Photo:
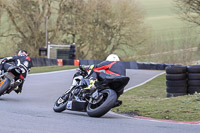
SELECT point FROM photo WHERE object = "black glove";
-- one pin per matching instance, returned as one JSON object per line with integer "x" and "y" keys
{"x": 81, "y": 67}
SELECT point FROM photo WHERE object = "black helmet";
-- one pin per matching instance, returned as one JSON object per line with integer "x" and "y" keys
{"x": 22, "y": 53}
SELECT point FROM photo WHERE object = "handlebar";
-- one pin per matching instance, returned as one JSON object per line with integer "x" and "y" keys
{"x": 82, "y": 72}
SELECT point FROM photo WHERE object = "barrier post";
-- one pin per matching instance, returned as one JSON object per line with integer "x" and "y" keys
{"x": 60, "y": 62}
{"x": 76, "y": 62}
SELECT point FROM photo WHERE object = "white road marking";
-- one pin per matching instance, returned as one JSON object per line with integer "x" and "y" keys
{"x": 44, "y": 73}
{"x": 144, "y": 82}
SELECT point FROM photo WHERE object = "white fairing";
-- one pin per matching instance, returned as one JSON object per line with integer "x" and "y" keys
{"x": 74, "y": 82}
{"x": 23, "y": 66}
{"x": 112, "y": 57}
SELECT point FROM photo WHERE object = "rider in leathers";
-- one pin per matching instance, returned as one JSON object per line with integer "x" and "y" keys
{"x": 112, "y": 66}
{"x": 23, "y": 61}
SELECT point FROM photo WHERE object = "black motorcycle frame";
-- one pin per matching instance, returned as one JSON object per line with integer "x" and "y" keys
{"x": 11, "y": 79}
{"x": 77, "y": 99}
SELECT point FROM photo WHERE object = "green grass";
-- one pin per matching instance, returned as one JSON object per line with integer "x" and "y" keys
{"x": 168, "y": 31}
{"x": 150, "y": 100}
{"x": 162, "y": 17}
{"x": 50, "y": 69}
{"x": 161, "y": 14}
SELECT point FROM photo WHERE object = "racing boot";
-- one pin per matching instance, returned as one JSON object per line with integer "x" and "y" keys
{"x": 117, "y": 103}
{"x": 17, "y": 90}
{"x": 91, "y": 87}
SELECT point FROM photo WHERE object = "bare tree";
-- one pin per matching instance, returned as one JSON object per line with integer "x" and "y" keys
{"x": 189, "y": 10}
{"x": 27, "y": 20}
{"x": 97, "y": 27}
{"x": 0, "y": 8}
{"x": 108, "y": 26}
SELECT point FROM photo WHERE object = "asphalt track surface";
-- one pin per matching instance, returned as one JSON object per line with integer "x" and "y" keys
{"x": 31, "y": 111}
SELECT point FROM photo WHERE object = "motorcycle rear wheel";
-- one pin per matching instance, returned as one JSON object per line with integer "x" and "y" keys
{"x": 4, "y": 85}
{"x": 60, "y": 107}
{"x": 102, "y": 107}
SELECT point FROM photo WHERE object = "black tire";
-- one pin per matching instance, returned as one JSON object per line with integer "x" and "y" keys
{"x": 177, "y": 89}
{"x": 59, "y": 107}
{"x": 176, "y": 69}
{"x": 4, "y": 86}
{"x": 194, "y": 82}
{"x": 101, "y": 108}
{"x": 194, "y": 69}
{"x": 175, "y": 94}
{"x": 181, "y": 76}
{"x": 194, "y": 76}
{"x": 193, "y": 89}
{"x": 176, "y": 83}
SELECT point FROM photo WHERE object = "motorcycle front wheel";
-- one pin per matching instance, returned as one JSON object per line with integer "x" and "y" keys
{"x": 4, "y": 85}
{"x": 60, "y": 104}
{"x": 107, "y": 101}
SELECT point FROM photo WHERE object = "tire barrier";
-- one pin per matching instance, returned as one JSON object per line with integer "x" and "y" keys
{"x": 37, "y": 62}
{"x": 182, "y": 80}
{"x": 193, "y": 79}
{"x": 131, "y": 64}
{"x": 176, "y": 80}
{"x": 127, "y": 65}
{"x": 176, "y": 69}
{"x": 181, "y": 76}
{"x": 193, "y": 69}
{"x": 151, "y": 66}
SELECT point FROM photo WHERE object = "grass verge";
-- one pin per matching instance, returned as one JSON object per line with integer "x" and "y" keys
{"x": 50, "y": 68}
{"x": 150, "y": 100}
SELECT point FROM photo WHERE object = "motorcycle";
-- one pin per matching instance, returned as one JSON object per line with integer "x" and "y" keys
{"x": 98, "y": 101}
{"x": 10, "y": 79}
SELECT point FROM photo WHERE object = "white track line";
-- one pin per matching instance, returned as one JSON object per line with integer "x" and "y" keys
{"x": 144, "y": 82}
{"x": 44, "y": 73}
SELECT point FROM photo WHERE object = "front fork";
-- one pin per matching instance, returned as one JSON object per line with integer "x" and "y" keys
{"x": 69, "y": 90}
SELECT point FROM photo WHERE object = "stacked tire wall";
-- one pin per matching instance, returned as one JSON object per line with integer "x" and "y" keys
{"x": 176, "y": 81}
{"x": 193, "y": 79}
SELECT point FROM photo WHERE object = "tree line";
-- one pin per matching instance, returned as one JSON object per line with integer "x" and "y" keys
{"x": 97, "y": 27}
